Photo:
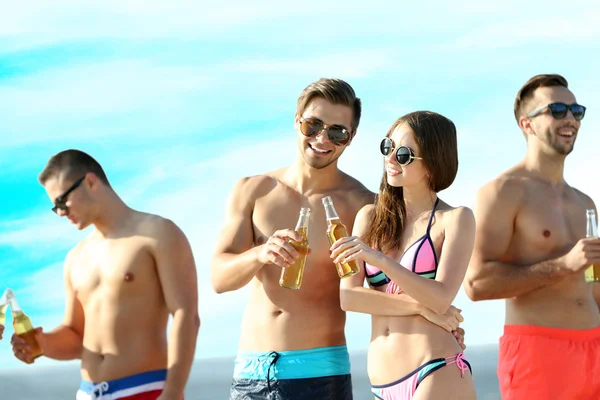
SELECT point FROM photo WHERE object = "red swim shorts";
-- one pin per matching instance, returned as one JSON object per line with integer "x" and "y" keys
{"x": 145, "y": 386}
{"x": 540, "y": 363}
{"x": 153, "y": 395}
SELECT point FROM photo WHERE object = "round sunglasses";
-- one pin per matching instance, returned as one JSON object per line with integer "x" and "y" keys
{"x": 559, "y": 111}
{"x": 338, "y": 134}
{"x": 404, "y": 154}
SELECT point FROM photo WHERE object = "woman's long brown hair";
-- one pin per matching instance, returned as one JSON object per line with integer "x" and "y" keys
{"x": 436, "y": 137}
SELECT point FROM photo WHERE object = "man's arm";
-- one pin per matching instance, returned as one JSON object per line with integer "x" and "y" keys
{"x": 65, "y": 342}
{"x": 488, "y": 277}
{"x": 596, "y": 289}
{"x": 177, "y": 273}
{"x": 237, "y": 260}
{"x": 592, "y": 205}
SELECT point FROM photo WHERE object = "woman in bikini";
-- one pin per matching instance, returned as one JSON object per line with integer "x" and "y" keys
{"x": 415, "y": 249}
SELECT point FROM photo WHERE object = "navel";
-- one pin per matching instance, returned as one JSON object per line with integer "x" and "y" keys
{"x": 129, "y": 277}
{"x": 546, "y": 233}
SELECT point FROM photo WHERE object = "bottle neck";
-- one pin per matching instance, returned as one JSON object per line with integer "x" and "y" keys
{"x": 591, "y": 228}
{"x": 303, "y": 220}
{"x": 330, "y": 212}
{"x": 14, "y": 306}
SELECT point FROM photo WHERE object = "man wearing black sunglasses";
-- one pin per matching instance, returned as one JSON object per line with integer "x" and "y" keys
{"x": 122, "y": 282}
{"x": 531, "y": 250}
{"x": 293, "y": 344}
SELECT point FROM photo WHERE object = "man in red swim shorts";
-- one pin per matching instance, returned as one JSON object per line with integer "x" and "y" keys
{"x": 531, "y": 250}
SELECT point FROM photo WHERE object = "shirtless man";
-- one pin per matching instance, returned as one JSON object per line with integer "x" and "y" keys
{"x": 122, "y": 282}
{"x": 293, "y": 344}
{"x": 531, "y": 250}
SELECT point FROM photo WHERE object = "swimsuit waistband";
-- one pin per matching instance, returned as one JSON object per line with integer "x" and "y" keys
{"x": 292, "y": 364}
{"x": 553, "y": 333}
{"x": 123, "y": 387}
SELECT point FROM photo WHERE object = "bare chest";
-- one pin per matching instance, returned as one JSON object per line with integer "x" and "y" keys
{"x": 549, "y": 222}
{"x": 121, "y": 268}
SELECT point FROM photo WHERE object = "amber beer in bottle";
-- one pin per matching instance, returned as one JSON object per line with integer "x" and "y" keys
{"x": 23, "y": 327}
{"x": 335, "y": 231}
{"x": 592, "y": 273}
{"x": 291, "y": 277}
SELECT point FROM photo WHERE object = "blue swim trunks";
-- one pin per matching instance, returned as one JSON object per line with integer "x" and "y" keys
{"x": 321, "y": 373}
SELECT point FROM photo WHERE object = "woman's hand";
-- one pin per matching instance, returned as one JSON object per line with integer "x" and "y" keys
{"x": 350, "y": 248}
{"x": 449, "y": 321}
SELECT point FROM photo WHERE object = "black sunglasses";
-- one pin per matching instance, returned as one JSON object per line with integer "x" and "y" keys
{"x": 338, "y": 134}
{"x": 60, "y": 202}
{"x": 559, "y": 110}
{"x": 404, "y": 155}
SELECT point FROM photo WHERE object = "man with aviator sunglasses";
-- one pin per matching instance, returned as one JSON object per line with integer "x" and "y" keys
{"x": 122, "y": 283}
{"x": 293, "y": 344}
{"x": 531, "y": 250}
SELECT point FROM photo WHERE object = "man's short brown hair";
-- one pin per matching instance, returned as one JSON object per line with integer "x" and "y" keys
{"x": 71, "y": 165}
{"x": 335, "y": 91}
{"x": 525, "y": 94}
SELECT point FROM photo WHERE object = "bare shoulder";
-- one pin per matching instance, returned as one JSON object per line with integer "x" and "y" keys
{"x": 164, "y": 239}
{"x": 458, "y": 217}
{"x": 254, "y": 183}
{"x": 249, "y": 188}
{"x": 366, "y": 213}
{"x": 587, "y": 200}
{"x": 73, "y": 255}
{"x": 509, "y": 187}
{"x": 364, "y": 216}
{"x": 357, "y": 193}
{"x": 157, "y": 227}
{"x": 76, "y": 250}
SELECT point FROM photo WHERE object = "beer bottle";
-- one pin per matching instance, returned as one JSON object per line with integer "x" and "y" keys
{"x": 592, "y": 273}
{"x": 335, "y": 231}
{"x": 23, "y": 327}
{"x": 291, "y": 277}
{"x": 3, "y": 307}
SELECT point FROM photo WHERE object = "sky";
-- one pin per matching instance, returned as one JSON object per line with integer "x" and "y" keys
{"x": 178, "y": 101}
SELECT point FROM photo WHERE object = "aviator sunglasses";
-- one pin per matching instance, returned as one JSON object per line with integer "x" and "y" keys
{"x": 60, "y": 203}
{"x": 559, "y": 110}
{"x": 404, "y": 155}
{"x": 338, "y": 134}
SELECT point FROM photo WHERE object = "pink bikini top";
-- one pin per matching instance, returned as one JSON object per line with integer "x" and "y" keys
{"x": 419, "y": 257}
